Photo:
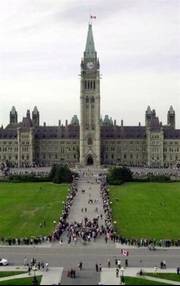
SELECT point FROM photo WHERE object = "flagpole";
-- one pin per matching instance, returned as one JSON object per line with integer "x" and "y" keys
{"x": 90, "y": 19}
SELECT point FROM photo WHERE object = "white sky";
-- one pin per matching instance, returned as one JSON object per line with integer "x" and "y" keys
{"x": 42, "y": 42}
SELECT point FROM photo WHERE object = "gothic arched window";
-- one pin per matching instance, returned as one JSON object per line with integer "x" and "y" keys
{"x": 89, "y": 141}
{"x": 92, "y": 99}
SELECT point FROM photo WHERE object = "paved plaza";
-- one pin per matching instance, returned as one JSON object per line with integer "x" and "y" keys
{"x": 88, "y": 189}
{"x": 87, "y": 276}
{"x": 87, "y": 203}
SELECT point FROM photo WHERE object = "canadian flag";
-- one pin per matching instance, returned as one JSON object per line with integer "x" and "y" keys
{"x": 93, "y": 17}
{"x": 124, "y": 252}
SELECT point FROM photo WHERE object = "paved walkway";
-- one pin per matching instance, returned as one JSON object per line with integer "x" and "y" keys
{"x": 84, "y": 277}
{"x": 19, "y": 276}
{"x": 88, "y": 189}
{"x": 108, "y": 275}
{"x": 52, "y": 276}
{"x": 92, "y": 191}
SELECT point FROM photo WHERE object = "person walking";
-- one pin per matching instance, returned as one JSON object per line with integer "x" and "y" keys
{"x": 117, "y": 272}
{"x": 29, "y": 269}
{"x": 126, "y": 262}
{"x": 25, "y": 261}
{"x": 46, "y": 265}
{"x": 80, "y": 266}
{"x": 109, "y": 263}
{"x": 100, "y": 267}
{"x": 97, "y": 268}
{"x": 119, "y": 263}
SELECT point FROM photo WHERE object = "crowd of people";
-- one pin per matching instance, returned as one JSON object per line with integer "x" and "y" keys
{"x": 26, "y": 241}
{"x": 150, "y": 243}
{"x": 63, "y": 224}
{"x": 107, "y": 209}
{"x": 139, "y": 172}
{"x": 88, "y": 229}
{"x": 34, "y": 265}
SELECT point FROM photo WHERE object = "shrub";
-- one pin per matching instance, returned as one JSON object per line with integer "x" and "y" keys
{"x": 61, "y": 174}
{"x": 26, "y": 178}
{"x": 118, "y": 175}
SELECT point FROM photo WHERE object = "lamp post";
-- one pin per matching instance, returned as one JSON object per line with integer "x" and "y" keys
{"x": 122, "y": 276}
{"x": 34, "y": 281}
{"x": 141, "y": 270}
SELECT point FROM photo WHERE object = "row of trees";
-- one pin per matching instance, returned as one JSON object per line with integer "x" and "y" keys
{"x": 59, "y": 174}
{"x": 62, "y": 174}
{"x": 119, "y": 175}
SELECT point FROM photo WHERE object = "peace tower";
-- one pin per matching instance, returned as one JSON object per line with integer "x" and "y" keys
{"x": 90, "y": 105}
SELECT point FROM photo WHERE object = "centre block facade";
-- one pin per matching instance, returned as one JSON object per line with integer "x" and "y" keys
{"x": 92, "y": 141}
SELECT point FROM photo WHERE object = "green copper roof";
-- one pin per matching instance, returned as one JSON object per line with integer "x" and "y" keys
{"x": 90, "y": 48}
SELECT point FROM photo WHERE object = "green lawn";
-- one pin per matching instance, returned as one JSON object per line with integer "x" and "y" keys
{"x": 140, "y": 281}
{"x": 147, "y": 210}
{"x": 21, "y": 281}
{"x": 168, "y": 276}
{"x": 10, "y": 273}
{"x": 25, "y": 205}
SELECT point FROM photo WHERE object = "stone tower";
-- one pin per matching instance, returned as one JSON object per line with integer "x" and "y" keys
{"x": 90, "y": 105}
{"x": 35, "y": 117}
{"x": 13, "y": 116}
{"x": 171, "y": 117}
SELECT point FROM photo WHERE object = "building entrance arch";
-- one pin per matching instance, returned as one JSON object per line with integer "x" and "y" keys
{"x": 90, "y": 160}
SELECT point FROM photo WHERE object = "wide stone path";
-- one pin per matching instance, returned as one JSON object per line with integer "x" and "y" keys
{"x": 88, "y": 184}
{"x": 88, "y": 189}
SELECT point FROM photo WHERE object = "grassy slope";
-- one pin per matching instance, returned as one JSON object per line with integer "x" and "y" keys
{"x": 24, "y": 206}
{"x": 22, "y": 281}
{"x": 168, "y": 276}
{"x": 149, "y": 210}
{"x": 10, "y": 273}
{"x": 140, "y": 281}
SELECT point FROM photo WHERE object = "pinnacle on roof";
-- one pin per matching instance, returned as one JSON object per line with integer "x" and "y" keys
{"x": 13, "y": 110}
{"x": 90, "y": 47}
{"x": 148, "y": 109}
{"x": 171, "y": 110}
{"x": 35, "y": 110}
{"x": 75, "y": 120}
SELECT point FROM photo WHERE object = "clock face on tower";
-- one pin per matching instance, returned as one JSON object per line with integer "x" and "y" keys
{"x": 90, "y": 65}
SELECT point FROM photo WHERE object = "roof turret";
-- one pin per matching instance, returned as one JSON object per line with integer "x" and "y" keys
{"x": 13, "y": 110}
{"x": 171, "y": 110}
{"x": 35, "y": 110}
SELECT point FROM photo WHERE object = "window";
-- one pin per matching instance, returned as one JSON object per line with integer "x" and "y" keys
{"x": 89, "y": 141}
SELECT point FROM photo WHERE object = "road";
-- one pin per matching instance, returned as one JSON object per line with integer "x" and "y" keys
{"x": 71, "y": 256}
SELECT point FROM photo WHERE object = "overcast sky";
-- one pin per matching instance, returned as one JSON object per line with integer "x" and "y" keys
{"x": 42, "y": 42}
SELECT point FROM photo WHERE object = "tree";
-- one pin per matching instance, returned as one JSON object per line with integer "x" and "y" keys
{"x": 61, "y": 174}
{"x": 119, "y": 175}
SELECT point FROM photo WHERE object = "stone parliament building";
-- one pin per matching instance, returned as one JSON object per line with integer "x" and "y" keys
{"x": 92, "y": 141}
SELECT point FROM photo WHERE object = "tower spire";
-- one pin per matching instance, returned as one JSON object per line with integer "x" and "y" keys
{"x": 90, "y": 52}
